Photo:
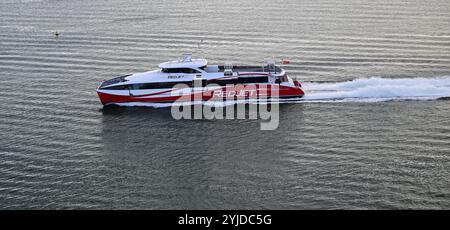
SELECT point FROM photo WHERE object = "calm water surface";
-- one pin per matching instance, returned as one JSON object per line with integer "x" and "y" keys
{"x": 60, "y": 149}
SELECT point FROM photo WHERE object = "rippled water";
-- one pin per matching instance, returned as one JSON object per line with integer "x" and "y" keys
{"x": 375, "y": 133}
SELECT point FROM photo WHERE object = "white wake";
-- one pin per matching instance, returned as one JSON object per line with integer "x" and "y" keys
{"x": 379, "y": 89}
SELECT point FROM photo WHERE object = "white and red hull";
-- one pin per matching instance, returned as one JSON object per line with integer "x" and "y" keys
{"x": 260, "y": 91}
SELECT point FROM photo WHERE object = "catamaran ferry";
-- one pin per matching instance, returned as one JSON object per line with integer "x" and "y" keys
{"x": 188, "y": 79}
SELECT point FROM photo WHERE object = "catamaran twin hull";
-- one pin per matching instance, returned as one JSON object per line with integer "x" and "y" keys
{"x": 193, "y": 80}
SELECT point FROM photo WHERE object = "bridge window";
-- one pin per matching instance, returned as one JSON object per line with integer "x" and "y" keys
{"x": 180, "y": 70}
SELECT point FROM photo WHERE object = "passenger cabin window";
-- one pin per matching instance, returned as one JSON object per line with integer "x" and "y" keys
{"x": 180, "y": 70}
{"x": 247, "y": 80}
{"x": 159, "y": 85}
{"x": 240, "y": 80}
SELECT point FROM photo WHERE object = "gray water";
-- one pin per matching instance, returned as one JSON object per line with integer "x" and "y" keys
{"x": 387, "y": 146}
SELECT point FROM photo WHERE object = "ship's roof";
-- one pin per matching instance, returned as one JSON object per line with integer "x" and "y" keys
{"x": 186, "y": 62}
